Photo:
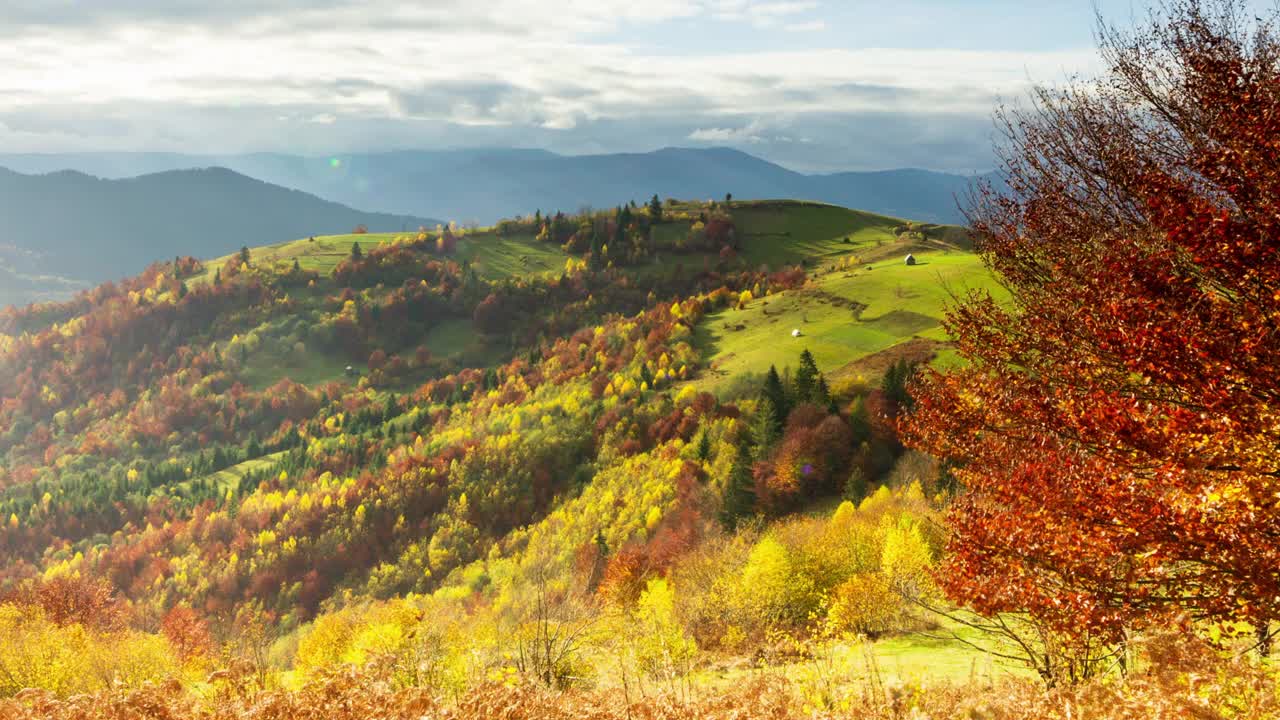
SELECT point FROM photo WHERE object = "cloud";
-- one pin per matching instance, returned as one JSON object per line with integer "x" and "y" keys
{"x": 299, "y": 75}
{"x": 810, "y": 26}
{"x": 752, "y": 133}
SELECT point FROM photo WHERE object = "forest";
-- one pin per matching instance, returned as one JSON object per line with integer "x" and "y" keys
{"x": 505, "y": 472}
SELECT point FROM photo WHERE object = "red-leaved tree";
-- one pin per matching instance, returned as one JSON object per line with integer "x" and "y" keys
{"x": 1117, "y": 428}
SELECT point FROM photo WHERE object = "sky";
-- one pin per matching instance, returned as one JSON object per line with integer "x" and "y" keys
{"x": 815, "y": 85}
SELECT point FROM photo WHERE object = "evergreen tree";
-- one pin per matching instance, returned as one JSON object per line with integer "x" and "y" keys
{"x": 859, "y": 422}
{"x": 739, "y": 498}
{"x": 244, "y": 254}
{"x": 856, "y": 486}
{"x": 182, "y": 290}
{"x": 777, "y": 394}
{"x": 822, "y": 395}
{"x": 766, "y": 426}
{"x": 356, "y": 252}
{"x": 895, "y": 382}
{"x": 655, "y": 209}
{"x": 597, "y": 248}
{"x": 254, "y": 448}
{"x": 297, "y": 267}
{"x": 217, "y": 277}
{"x": 806, "y": 379}
{"x": 704, "y": 447}
{"x": 601, "y": 561}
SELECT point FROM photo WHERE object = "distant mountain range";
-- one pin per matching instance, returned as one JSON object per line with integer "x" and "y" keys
{"x": 64, "y": 229}
{"x": 486, "y": 185}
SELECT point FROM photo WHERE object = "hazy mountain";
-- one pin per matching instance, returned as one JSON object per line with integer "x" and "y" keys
{"x": 84, "y": 228}
{"x": 486, "y": 185}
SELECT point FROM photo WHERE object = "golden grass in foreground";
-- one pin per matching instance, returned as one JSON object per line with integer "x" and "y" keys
{"x": 1186, "y": 680}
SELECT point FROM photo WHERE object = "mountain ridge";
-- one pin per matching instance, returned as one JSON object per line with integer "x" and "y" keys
{"x": 487, "y": 184}
{"x": 74, "y": 226}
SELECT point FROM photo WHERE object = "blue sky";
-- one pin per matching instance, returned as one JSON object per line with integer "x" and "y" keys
{"x": 957, "y": 24}
{"x": 817, "y": 85}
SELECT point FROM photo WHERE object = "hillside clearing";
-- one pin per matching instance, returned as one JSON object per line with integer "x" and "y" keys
{"x": 843, "y": 315}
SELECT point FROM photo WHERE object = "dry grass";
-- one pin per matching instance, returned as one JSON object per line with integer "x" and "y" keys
{"x": 1185, "y": 680}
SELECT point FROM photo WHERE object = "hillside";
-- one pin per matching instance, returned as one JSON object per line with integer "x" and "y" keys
{"x": 89, "y": 230}
{"x": 485, "y": 185}
{"x": 346, "y": 434}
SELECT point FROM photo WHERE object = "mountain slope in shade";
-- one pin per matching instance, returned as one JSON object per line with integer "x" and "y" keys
{"x": 84, "y": 228}
{"x": 485, "y": 185}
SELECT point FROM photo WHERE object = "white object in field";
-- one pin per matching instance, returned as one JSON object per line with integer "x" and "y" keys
{"x": 796, "y": 333}
{"x": 911, "y": 259}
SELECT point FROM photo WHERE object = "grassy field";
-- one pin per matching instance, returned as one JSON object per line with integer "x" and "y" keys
{"x": 775, "y": 233}
{"x": 321, "y": 253}
{"x": 224, "y": 480}
{"x": 778, "y": 234}
{"x": 859, "y": 664}
{"x": 862, "y": 301}
{"x": 842, "y": 315}
{"x": 496, "y": 257}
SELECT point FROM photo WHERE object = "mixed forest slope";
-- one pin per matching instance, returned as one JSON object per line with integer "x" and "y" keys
{"x": 294, "y": 431}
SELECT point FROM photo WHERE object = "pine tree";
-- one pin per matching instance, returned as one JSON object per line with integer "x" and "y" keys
{"x": 739, "y": 498}
{"x": 895, "y": 381}
{"x": 244, "y": 255}
{"x": 806, "y": 379}
{"x": 777, "y": 394}
{"x": 597, "y": 248}
{"x": 859, "y": 422}
{"x": 766, "y": 426}
{"x": 822, "y": 395}
{"x": 704, "y": 447}
{"x": 356, "y": 252}
{"x": 655, "y": 209}
{"x": 856, "y": 486}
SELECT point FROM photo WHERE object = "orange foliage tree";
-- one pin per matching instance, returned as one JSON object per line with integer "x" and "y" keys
{"x": 1117, "y": 424}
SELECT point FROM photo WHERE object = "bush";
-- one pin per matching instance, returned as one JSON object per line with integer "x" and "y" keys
{"x": 71, "y": 658}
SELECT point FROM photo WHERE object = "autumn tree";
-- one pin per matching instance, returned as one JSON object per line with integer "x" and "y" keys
{"x": 187, "y": 633}
{"x": 1117, "y": 421}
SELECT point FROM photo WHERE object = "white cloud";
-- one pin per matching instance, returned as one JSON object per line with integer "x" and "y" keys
{"x": 810, "y": 26}
{"x": 725, "y": 136}
{"x": 753, "y": 133}
{"x": 162, "y": 74}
